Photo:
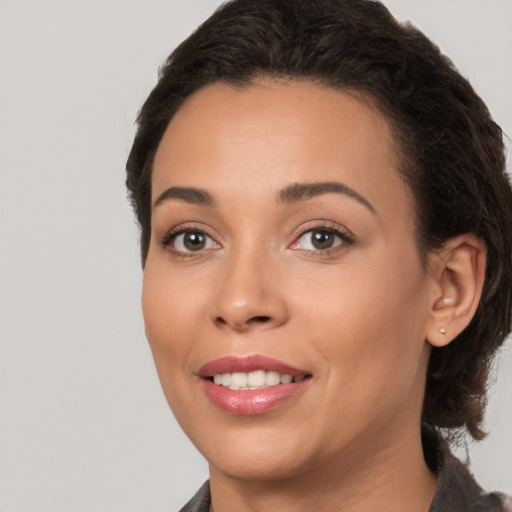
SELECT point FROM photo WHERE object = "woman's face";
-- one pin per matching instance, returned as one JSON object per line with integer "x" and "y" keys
{"x": 283, "y": 249}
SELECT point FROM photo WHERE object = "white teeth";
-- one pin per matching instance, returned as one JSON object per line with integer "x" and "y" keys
{"x": 285, "y": 378}
{"x": 258, "y": 379}
{"x": 239, "y": 380}
{"x": 272, "y": 378}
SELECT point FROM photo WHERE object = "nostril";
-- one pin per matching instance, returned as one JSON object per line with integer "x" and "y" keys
{"x": 244, "y": 323}
{"x": 260, "y": 319}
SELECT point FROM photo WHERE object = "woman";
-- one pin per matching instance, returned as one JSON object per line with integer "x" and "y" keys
{"x": 326, "y": 233}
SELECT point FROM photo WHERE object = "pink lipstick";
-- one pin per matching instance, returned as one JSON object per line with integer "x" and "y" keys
{"x": 251, "y": 385}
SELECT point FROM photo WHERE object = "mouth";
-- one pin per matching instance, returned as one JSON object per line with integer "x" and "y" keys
{"x": 258, "y": 379}
{"x": 251, "y": 385}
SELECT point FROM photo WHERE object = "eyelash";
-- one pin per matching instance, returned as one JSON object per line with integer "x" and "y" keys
{"x": 346, "y": 239}
{"x": 170, "y": 237}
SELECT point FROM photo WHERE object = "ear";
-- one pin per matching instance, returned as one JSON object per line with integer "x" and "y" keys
{"x": 458, "y": 272}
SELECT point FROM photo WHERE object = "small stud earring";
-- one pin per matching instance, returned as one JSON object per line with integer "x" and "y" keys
{"x": 442, "y": 330}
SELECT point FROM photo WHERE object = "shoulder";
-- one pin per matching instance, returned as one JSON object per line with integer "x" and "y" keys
{"x": 458, "y": 491}
{"x": 201, "y": 500}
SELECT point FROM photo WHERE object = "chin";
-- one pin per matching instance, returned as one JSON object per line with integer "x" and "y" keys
{"x": 254, "y": 466}
{"x": 256, "y": 454}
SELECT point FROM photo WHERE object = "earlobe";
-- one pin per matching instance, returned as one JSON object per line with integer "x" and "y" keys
{"x": 458, "y": 273}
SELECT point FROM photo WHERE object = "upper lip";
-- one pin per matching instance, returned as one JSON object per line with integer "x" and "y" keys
{"x": 246, "y": 364}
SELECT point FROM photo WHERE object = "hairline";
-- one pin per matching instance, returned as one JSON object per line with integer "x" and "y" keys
{"x": 404, "y": 163}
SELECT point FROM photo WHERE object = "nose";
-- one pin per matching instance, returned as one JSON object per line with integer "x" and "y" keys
{"x": 249, "y": 295}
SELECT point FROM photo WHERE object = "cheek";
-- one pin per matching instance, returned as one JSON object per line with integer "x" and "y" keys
{"x": 171, "y": 308}
{"x": 368, "y": 322}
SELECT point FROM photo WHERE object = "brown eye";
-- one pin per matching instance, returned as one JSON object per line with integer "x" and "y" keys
{"x": 192, "y": 241}
{"x": 322, "y": 239}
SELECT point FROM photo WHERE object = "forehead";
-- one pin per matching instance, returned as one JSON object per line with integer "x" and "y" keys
{"x": 259, "y": 138}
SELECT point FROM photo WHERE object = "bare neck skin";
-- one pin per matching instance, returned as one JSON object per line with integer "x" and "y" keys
{"x": 394, "y": 479}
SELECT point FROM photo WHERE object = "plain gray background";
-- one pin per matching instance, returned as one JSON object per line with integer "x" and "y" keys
{"x": 83, "y": 422}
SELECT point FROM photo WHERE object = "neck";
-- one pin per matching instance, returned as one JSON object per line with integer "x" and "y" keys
{"x": 390, "y": 479}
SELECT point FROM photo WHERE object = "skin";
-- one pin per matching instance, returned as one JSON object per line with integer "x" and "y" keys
{"x": 356, "y": 316}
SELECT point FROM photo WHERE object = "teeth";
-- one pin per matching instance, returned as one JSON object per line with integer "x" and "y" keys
{"x": 273, "y": 378}
{"x": 239, "y": 380}
{"x": 258, "y": 379}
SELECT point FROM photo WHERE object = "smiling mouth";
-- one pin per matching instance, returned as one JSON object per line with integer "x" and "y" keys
{"x": 254, "y": 380}
{"x": 252, "y": 384}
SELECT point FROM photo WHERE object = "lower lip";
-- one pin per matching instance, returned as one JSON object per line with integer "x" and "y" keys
{"x": 256, "y": 401}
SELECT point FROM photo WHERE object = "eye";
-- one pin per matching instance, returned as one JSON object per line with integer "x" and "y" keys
{"x": 318, "y": 239}
{"x": 321, "y": 239}
{"x": 190, "y": 240}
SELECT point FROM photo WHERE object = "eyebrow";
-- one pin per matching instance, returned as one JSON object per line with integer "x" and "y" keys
{"x": 190, "y": 195}
{"x": 304, "y": 191}
{"x": 291, "y": 194}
